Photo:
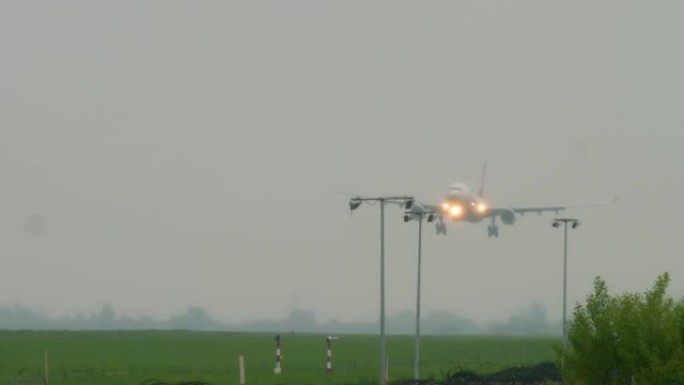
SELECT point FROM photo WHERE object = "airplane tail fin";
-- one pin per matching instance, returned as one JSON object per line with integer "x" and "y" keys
{"x": 481, "y": 191}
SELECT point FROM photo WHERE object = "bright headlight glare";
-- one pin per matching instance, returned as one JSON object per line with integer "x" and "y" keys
{"x": 445, "y": 206}
{"x": 456, "y": 210}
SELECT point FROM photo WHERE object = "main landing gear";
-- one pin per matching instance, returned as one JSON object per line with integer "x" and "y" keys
{"x": 440, "y": 226}
{"x": 493, "y": 229}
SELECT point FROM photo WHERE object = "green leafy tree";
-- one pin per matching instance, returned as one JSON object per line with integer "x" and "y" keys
{"x": 627, "y": 339}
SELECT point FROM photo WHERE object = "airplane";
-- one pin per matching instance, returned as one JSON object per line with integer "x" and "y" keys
{"x": 461, "y": 205}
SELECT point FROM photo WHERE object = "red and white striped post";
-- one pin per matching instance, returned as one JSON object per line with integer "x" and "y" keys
{"x": 278, "y": 356}
{"x": 328, "y": 358}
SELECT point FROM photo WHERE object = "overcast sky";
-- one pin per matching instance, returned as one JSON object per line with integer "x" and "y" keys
{"x": 182, "y": 153}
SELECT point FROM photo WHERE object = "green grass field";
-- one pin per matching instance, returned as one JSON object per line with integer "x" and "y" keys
{"x": 130, "y": 357}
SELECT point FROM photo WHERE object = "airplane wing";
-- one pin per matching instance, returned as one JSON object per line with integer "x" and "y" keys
{"x": 419, "y": 207}
{"x": 524, "y": 210}
{"x": 506, "y": 214}
{"x": 493, "y": 211}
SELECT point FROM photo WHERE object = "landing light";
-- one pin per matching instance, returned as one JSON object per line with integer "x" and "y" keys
{"x": 456, "y": 211}
{"x": 445, "y": 206}
{"x": 481, "y": 208}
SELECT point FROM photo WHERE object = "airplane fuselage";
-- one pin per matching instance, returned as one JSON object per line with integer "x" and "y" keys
{"x": 459, "y": 204}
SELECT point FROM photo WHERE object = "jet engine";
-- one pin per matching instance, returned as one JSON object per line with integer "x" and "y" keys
{"x": 508, "y": 217}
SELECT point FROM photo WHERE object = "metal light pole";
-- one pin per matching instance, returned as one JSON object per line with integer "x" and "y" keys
{"x": 573, "y": 223}
{"x": 416, "y": 362}
{"x": 418, "y": 213}
{"x": 407, "y": 202}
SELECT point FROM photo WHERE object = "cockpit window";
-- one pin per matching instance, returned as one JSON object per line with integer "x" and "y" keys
{"x": 459, "y": 188}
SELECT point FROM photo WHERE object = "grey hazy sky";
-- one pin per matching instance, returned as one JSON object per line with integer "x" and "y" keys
{"x": 182, "y": 152}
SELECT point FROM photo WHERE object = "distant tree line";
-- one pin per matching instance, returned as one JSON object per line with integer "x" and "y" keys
{"x": 18, "y": 317}
{"x": 531, "y": 321}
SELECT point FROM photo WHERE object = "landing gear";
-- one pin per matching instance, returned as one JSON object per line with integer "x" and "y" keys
{"x": 493, "y": 229}
{"x": 440, "y": 226}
